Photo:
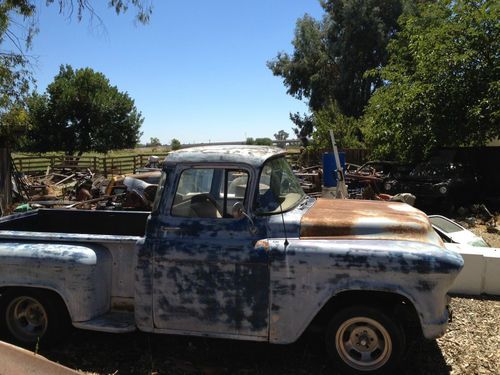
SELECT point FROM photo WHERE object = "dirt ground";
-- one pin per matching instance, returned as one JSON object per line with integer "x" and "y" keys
{"x": 471, "y": 346}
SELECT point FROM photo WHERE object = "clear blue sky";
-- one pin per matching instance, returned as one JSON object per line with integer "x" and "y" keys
{"x": 197, "y": 72}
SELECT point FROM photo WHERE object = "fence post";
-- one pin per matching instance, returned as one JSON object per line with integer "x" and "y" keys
{"x": 95, "y": 164}
{"x": 104, "y": 167}
{"x": 5, "y": 181}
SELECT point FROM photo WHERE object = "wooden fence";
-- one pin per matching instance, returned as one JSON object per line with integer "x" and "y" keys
{"x": 117, "y": 165}
{"x": 112, "y": 165}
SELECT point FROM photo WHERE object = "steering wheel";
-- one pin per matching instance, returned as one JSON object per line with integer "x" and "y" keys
{"x": 204, "y": 197}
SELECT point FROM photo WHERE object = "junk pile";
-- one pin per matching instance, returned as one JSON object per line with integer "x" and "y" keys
{"x": 67, "y": 188}
{"x": 310, "y": 179}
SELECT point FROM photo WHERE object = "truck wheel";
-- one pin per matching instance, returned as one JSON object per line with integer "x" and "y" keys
{"x": 364, "y": 340}
{"x": 30, "y": 317}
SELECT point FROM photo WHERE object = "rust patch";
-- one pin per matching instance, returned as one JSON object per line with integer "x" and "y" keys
{"x": 360, "y": 219}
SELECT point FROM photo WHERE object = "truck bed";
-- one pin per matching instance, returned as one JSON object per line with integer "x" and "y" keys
{"x": 118, "y": 223}
{"x": 110, "y": 235}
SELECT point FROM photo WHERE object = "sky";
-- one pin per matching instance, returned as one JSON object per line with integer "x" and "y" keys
{"x": 197, "y": 71}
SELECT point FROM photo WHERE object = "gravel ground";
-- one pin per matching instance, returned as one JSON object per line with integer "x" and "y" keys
{"x": 471, "y": 346}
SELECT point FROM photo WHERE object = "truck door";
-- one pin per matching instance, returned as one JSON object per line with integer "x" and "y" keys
{"x": 208, "y": 278}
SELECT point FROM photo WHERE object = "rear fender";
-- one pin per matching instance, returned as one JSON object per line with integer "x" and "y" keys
{"x": 79, "y": 273}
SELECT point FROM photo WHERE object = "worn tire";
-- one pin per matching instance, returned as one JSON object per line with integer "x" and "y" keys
{"x": 365, "y": 340}
{"x": 31, "y": 317}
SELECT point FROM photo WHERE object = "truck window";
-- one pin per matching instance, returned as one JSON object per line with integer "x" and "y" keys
{"x": 279, "y": 189}
{"x": 159, "y": 192}
{"x": 209, "y": 192}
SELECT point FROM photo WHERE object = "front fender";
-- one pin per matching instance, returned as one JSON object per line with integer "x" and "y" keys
{"x": 308, "y": 273}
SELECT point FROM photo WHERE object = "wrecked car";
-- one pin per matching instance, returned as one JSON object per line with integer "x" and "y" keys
{"x": 438, "y": 186}
{"x": 452, "y": 232}
{"x": 233, "y": 248}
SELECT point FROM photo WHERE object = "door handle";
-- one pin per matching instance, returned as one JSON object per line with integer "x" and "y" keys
{"x": 164, "y": 228}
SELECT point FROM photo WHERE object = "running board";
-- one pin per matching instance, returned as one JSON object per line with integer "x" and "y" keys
{"x": 112, "y": 322}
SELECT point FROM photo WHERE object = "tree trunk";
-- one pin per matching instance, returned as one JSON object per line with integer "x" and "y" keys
{"x": 5, "y": 180}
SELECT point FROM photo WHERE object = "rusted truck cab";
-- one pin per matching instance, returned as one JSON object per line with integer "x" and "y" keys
{"x": 233, "y": 248}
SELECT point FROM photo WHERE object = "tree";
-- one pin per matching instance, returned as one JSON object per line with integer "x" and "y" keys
{"x": 80, "y": 112}
{"x": 263, "y": 141}
{"x": 443, "y": 81}
{"x": 281, "y": 137}
{"x": 18, "y": 25}
{"x": 154, "y": 142}
{"x": 345, "y": 129}
{"x": 259, "y": 141}
{"x": 331, "y": 56}
{"x": 175, "y": 144}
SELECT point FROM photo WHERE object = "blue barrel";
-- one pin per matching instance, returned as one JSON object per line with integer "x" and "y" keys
{"x": 330, "y": 168}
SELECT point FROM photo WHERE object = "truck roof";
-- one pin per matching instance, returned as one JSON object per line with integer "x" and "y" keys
{"x": 253, "y": 155}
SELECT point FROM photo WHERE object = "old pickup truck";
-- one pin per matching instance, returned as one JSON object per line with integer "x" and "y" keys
{"x": 233, "y": 248}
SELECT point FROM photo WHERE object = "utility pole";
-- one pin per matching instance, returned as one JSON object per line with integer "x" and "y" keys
{"x": 5, "y": 180}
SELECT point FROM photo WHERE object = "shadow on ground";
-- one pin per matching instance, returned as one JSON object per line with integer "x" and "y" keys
{"x": 140, "y": 353}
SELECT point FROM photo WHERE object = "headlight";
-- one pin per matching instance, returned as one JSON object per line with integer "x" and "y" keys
{"x": 443, "y": 189}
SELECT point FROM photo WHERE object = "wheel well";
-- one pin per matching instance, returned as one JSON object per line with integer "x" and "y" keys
{"x": 392, "y": 303}
{"x": 16, "y": 290}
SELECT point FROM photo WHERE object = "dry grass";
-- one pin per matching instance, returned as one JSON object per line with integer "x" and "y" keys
{"x": 471, "y": 346}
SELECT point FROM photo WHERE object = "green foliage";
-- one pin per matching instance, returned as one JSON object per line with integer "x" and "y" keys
{"x": 82, "y": 112}
{"x": 443, "y": 81}
{"x": 175, "y": 144}
{"x": 153, "y": 142}
{"x": 259, "y": 141}
{"x": 18, "y": 25}
{"x": 68, "y": 7}
{"x": 345, "y": 129}
{"x": 281, "y": 137}
{"x": 331, "y": 56}
{"x": 14, "y": 124}
{"x": 263, "y": 141}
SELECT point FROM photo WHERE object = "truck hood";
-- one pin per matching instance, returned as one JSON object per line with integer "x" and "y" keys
{"x": 362, "y": 219}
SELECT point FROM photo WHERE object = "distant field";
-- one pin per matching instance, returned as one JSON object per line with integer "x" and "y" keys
{"x": 110, "y": 154}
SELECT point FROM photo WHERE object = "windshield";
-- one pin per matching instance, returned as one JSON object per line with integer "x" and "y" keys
{"x": 278, "y": 187}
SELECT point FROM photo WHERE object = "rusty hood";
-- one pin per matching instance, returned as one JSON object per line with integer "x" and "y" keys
{"x": 362, "y": 219}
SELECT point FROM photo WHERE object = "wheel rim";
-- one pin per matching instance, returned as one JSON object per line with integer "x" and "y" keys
{"x": 363, "y": 343}
{"x": 26, "y": 319}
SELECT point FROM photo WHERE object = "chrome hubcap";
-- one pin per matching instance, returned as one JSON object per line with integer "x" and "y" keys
{"x": 363, "y": 343}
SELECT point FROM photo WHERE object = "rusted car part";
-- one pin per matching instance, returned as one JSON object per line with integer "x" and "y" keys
{"x": 16, "y": 361}
{"x": 374, "y": 175}
{"x": 137, "y": 194}
{"x": 234, "y": 248}
{"x": 310, "y": 179}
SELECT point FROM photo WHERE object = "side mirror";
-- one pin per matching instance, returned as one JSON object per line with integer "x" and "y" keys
{"x": 238, "y": 210}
